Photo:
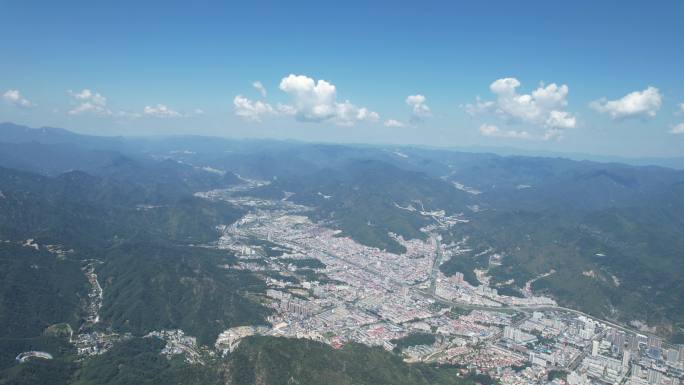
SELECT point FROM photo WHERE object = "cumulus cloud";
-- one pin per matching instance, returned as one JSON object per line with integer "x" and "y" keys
{"x": 419, "y": 109}
{"x": 479, "y": 107}
{"x": 544, "y": 107}
{"x": 89, "y": 102}
{"x": 541, "y": 107}
{"x": 495, "y": 132}
{"x": 14, "y": 97}
{"x": 312, "y": 101}
{"x": 678, "y": 129}
{"x": 88, "y": 95}
{"x": 364, "y": 114}
{"x": 260, "y": 87}
{"x": 560, "y": 119}
{"x": 316, "y": 101}
{"x": 637, "y": 103}
{"x": 250, "y": 110}
{"x": 161, "y": 111}
{"x": 393, "y": 123}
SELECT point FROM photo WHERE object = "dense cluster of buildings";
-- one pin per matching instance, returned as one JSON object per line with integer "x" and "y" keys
{"x": 374, "y": 297}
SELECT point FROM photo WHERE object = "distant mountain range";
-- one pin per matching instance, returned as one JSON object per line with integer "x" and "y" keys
{"x": 13, "y": 133}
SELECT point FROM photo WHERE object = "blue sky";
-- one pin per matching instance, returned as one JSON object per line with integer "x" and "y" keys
{"x": 594, "y": 77}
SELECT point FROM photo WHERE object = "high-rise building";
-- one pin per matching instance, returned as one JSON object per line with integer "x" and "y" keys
{"x": 654, "y": 377}
{"x": 457, "y": 278}
{"x": 672, "y": 356}
{"x": 619, "y": 341}
{"x": 595, "y": 348}
{"x": 590, "y": 326}
{"x": 610, "y": 335}
{"x": 655, "y": 342}
{"x": 633, "y": 343}
{"x": 625, "y": 359}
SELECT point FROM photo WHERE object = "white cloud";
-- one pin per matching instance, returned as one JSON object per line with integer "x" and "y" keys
{"x": 198, "y": 111}
{"x": 161, "y": 111}
{"x": 260, "y": 87}
{"x": 393, "y": 123}
{"x": 89, "y": 102}
{"x": 14, "y": 97}
{"x": 420, "y": 110}
{"x": 637, "y": 103}
{"x": 560, "y": 120}
{"x": 495, "y": 132}
{"x": 316, "y": 101}
{"x": 87, "y": 95}
{"x": 678, "y": 129}
{"x": 544, "y": 107}
{"x": 89, "y": 107}
{"x": 364, "y": 114}
{"x": 479, "y": 107}
{"x": 541, "y": 107}
{"x": 251, "y": 110}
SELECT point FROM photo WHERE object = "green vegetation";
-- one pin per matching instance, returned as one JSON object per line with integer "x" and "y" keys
{"x": 270, "y": 249}
{"x": 151, "y": 280}
{"x": 150, "y": 286}
{"x": 59, "y": 330}
{"x": 60, "y": 348}
{"x": 276, "y": 361}
{"x": 541, "y": 339}
{"x": 554, "y": 374}
{"x": 678, "y": 336}
{"x": 466, "y": 265}
{"x": 138, "y": 225}
{"x": 617, "y": 259}
{"x": 456, "y": 312}
{"x": 138, "y": 361}
{"x": 413, "y": 339}
{"x": 304, "y": 262}
{"x": 37, "y": 289}
{"x": 88, "y": 213}
{"x": 311, "y": 275}
{"x": 521, "y": 367}
{"x": 39, "y": 372}
{"x": 258, "y": 360}
{"x": 510, "y": 291}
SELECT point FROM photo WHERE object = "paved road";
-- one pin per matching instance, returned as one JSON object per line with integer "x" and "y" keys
{"x": 585, "y": 352}
{"x": 435, "y": 265}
